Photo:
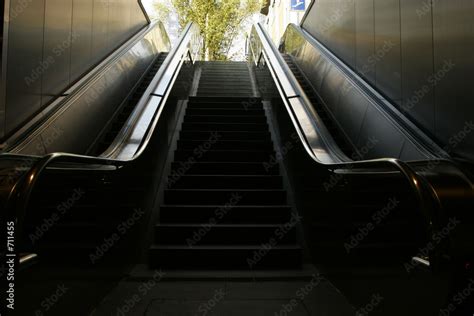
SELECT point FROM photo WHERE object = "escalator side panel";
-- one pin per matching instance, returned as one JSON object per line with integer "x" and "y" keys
{"x": 342, "y": 97}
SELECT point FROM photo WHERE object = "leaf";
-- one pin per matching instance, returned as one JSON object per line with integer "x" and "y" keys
{"x": 220, "y": 22}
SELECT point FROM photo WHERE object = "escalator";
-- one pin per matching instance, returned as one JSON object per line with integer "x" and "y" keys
{"x": 240, "y": 169}
{"x": 339, "y": 137}
{"x": 124, "y": 113}
{"x": 358, "y": 219}
{"x": 392, "y": 226}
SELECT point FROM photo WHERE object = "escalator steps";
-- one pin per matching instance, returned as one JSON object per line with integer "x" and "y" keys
{"x": 125, "y": 112}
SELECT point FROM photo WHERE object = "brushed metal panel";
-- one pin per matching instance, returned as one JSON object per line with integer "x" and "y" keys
{"x": 115, "y": 22}
{"x": 100, "y": 29}
{"x": 383, "y": 139}
{"x": 75, "y": 34}
{"x": 25, "y": 46}
{"x": 410, "y": 152}
{"x": 351, "y": 111}
{"x": 344, "y": 37}
{"x": 81, "y": 47}
{"x": 312, "y": 18}
{"x": 454, "y": 43}
{"x": 365, "y": 39}
{"x": 387, "y": 48}
{"x": 362, "y": 118}
{"x": 137, "y": 19}
{"x": 332, "y": 22}
{"x": 125, "y": 17}
{"x": 35, "y": 147}
{"x": 315, "y": 66}
{"x": 57, "y": 48}
{"x": 417, "y": 62}
{"x": 100, "y": 100}
{"x": 330, "y": 90}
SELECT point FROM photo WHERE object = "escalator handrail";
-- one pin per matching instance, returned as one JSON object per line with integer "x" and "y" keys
{"x": 157, "y": 88}
{"x": 427, "y": 197}
{"x": 145, "y": 12}
{"x": 20, "y": 193}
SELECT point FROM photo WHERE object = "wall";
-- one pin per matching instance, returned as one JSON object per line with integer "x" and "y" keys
{"x": 51, "y": 43}
{"x": 280, "y": 15}
{"x": 415, "y": 52}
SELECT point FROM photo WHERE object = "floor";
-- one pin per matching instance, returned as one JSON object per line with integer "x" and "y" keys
{"x": 224, "y": 293}
{"x": 309, "y": 291}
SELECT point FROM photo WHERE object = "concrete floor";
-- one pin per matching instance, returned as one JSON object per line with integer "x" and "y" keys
{"x": 309, "y": 291}
{"x": 224, "y": 293}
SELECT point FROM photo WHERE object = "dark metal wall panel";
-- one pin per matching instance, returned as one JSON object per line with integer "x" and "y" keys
{"x": 51, "y": 43}
{"x": 81, "y": 45}
{"x": 352, "y": 109}
{"x": 137, "y": 19}
{"x": 56, "y": 48}
{"x": 125, "y": 6}
{"x": 25, "y": 52}
{"x": 387, "y": 48}
{"x": 25, "y": 47}
{"x": 361, "y": 116}
{"x": 365, "y": 39}
{"x": 117, "y": 22}
{"x": 72, "y": 129}
{"x": 344, "y": 38}
{"x": 417, "y": 62}
{"x": 100, "y": 28}
{"x": 334, "y": 24}
{"x": 388, "y": 139}
{"x": 418, "y": 53}
{"x": 454, "y": 94}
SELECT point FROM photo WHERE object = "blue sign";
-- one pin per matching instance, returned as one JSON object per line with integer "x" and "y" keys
{"x": 297, "y": 5}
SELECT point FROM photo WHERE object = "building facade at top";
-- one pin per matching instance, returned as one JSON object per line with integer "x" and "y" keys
{"x": 280, "y": 13}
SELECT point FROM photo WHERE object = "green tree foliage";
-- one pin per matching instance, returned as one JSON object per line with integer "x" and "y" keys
{"x": 220, "y": 22}
{"x": 162, "y": 11}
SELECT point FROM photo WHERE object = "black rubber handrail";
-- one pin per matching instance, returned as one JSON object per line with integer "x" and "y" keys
{"x": 20, "y": 193}
{"x": 426, "y": 195}
{"x": 145, "y": 13}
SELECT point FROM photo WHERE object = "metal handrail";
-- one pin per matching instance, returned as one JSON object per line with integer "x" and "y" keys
{"x": 20, "y": 194}
{"x": 145, "y": 13}
{"x": 289, "y": 88}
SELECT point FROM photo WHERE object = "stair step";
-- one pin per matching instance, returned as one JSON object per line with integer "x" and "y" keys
{"x": 224, "y": 168}
{"x": 225, "y": 119}
{"x": 223, "y": 93}
{"x": 206, "y": 197}
{"x": 244, "y": 105}
{"x": 260, "y": 127}
{"x": 219, "y": 88}
{"x": 224, "y": 200}
{"x": 233, "y": 135}
{"x": 225, "y": 155}
{"x": 219, "y": 257}
{"x": 223, "y": 234}
{"x": 230, "y": 84}
{"x": 227, "y": 182}
{"x": 226, "y": 144}
{"x": 225, "y": 213}
{"x": 225, "y": 112}
{"x": 236, "y": 100}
